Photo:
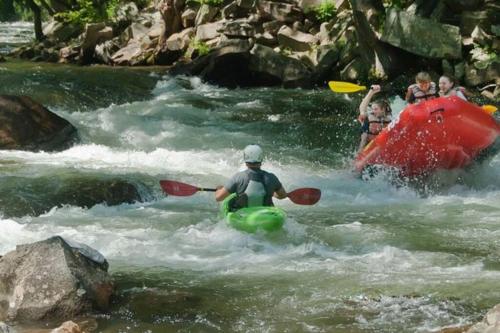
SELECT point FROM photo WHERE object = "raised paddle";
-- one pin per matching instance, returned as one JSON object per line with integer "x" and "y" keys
{"x": 300, "y": 196}
{"x": 490, "y": 109}
{"x": 345, "y": 87}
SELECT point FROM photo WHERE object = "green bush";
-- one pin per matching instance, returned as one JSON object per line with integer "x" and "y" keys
{"x": 483, "y": 57}
{"x": 201, "y": 47}
{"x": 87, "y": 12}
{"x": 212, "y": 3}
{"x": 326, "y": 11}
{"x": 399, "y": 4}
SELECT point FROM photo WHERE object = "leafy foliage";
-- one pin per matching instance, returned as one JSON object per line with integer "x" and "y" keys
{"x": 199, "y": 46}
{"x": 483, "y": 57}
{"x": 326, "y": 11}
{"x": 398, "y": 4}
{"x": 88, "y": 11}
{"x": 212, "y": 3}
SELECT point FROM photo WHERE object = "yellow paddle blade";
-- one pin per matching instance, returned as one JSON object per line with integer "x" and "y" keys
{"x": 490, "y": 108}
{"x": 344, "y": 87}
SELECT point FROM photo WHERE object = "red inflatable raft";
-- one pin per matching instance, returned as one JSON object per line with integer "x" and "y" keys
{"x": 443, "y": 133}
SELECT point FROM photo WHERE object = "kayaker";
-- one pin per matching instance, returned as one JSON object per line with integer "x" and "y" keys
{"x": 447, "y": 87}
{"x": 423, "y": 89}
{"x": 253, "y": 186}
{"x": 373, "y": 119}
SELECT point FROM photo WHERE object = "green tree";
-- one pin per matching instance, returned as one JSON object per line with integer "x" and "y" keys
{"x": 7, "y": 10}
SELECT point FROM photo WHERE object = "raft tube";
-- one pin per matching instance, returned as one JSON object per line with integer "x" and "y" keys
{"x": 252, "y": 219}
{"x": 442, "y": 133}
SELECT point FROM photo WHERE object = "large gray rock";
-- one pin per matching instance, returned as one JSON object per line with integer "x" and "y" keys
{"x": 32, "y": 197}
{"x": 104, "y": 51}
{"x": 422, "y": 36}
{"x": 289, "y": 72}
{"x": 208, "y": 31}
{"x": 180, "y": 41}
{"x": 247, "y": 4}
{"x": 470, "y": 19}
{"x": 188, "y": 18}
{"x": 126, "y": 14}
{"x": 279, "y": 11}
{"x": 60, "y": 32}
{"x": 51, "y": 280}
{"x": 476, "y": 76}
{"x": 296, "y": 40}
{"x": 356, "y": 70}
{"x": 272, "y": 27}
{"x": 490, "y": 323}
{"x": 131, "y": 55}
{"x": 327, "y": 57}
{"x": 238, "y": 28}
{"x": 205, "y": 14}
{"x": 95, "y": 33}
{"x": 27, "y": 125}
{"x": 226, "y": 65}
{"x": 4, "y": 328}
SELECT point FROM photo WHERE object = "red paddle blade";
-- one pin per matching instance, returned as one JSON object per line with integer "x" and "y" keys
{"x": 177, "y": 188}
{"x": 305, "y": 196}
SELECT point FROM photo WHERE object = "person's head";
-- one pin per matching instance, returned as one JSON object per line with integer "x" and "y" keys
{"x": 381, "y": 108}
{"x": 253, "y": 156}
{"x": 446, "y": 82}
{"x": 423, "y": 80}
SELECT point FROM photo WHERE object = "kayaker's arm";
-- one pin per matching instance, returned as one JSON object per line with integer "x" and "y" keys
{"x": 363, "y": 107}
{"x": 409, "y": 94}
{"x": 362, "y": 143}
{"x": 221, "y": 193}
{"x": 280, "y": 194}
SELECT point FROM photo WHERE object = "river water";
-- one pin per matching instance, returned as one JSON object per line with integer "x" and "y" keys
{"x": 371, "y": 256}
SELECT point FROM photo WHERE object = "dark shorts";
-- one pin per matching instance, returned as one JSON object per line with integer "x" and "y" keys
{"x": 365, "y": 127}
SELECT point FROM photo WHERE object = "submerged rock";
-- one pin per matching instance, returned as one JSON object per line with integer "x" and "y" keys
{"x": 28, "y": 125}
{"x": 51, "y": 280}
{"x": 21, "y": 197}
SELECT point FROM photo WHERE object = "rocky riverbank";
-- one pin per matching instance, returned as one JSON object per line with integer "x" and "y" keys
{"x": 295, "y": 43}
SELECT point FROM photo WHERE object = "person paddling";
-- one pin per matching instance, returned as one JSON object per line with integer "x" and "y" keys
{"x": 373, "y": 119}
{"x": 448, "y": 88}
{"x": 253, "y": 186}
{"x": 423, "y": 89}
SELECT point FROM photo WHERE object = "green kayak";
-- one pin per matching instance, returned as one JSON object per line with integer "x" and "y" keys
{"x": 252, "y": 219}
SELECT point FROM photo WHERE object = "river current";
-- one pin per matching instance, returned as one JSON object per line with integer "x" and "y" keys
{"x": 371, "y": 256}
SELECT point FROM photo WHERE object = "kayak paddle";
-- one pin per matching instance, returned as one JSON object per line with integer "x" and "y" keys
{"x": 344, "y": 87}
{"x": 181, "y": 189}
{"x": 300, "y": 196}
{"x": 305, "y": 196}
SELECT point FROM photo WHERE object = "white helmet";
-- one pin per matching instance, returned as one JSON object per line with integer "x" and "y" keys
{"x": 253, "y": 154}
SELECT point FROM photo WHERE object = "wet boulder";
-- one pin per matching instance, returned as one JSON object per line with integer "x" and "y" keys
{"x": 52, "y": 280}
{"x": 267, "y": 63}
{"x": 4, "y": 328}
{"x": 21, "y": 197}
{"x": 28, "y": 125}
{"x": 490, "y": 323}
{"x": 422, "y": 36}
{"x": 296, "y": 40}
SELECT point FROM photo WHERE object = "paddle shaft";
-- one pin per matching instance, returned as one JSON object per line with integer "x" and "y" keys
{"x": 201, "y": 189}
{"x": 300, "y": 196}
